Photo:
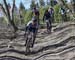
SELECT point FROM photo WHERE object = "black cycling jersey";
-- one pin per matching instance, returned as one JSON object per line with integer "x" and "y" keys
{"x": 46, "y": 15}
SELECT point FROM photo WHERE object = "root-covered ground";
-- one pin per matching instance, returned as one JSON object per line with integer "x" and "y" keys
{"x": 59, "y": 45}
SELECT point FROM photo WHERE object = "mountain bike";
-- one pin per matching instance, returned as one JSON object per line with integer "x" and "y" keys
{"x": 30, "y": 39}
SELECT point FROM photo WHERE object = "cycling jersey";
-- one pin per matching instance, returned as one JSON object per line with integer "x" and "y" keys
{"x": 35, "y": 12}
{"x": 46, "y": 16}
{"x": 31, "y": 27}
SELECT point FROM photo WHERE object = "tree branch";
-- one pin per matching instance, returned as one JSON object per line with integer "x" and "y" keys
{"x": 8, "y": 12}
{"x": 13, "y": 9}
{"x": 64, "y": 3}
{"x": 11, "y": 20}
{"x": 3, "y": 9}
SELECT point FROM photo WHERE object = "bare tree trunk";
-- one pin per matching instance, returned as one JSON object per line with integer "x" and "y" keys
{"x": 11, "y": 18}
{"x": 73, "y": 6}
{"x": 3, "y": 9}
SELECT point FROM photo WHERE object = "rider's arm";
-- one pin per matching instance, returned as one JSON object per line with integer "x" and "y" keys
{"x": 26, "y": 28}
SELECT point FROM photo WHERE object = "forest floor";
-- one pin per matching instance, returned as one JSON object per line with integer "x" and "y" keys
{"x": 59, "y": 45}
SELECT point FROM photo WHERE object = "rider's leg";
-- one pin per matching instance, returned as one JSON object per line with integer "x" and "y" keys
{"x": 26, "y": 38}
{"x": 47, "y": 24}
{"x": 50, "y": 26}
{"x": 26, "y": 41}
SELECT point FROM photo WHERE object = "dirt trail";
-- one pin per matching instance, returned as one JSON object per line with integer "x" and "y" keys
{"x": 59, "y": 45}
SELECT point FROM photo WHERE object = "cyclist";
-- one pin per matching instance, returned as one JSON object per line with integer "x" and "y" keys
{"x": 32, "y": 27}
{"x": 35, "y": 12}
{"x": 63, "y": 14}
{"x": 47, "y": 18}
{"x": 51, "y": 11}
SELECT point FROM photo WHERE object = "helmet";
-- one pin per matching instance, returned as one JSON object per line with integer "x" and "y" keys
{"x": 34, "y": 19}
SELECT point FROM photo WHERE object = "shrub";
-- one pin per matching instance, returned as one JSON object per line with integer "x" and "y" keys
{"x": 57, "y": 14}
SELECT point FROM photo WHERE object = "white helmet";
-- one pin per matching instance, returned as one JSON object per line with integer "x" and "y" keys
{"x": 34, "y": 19}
